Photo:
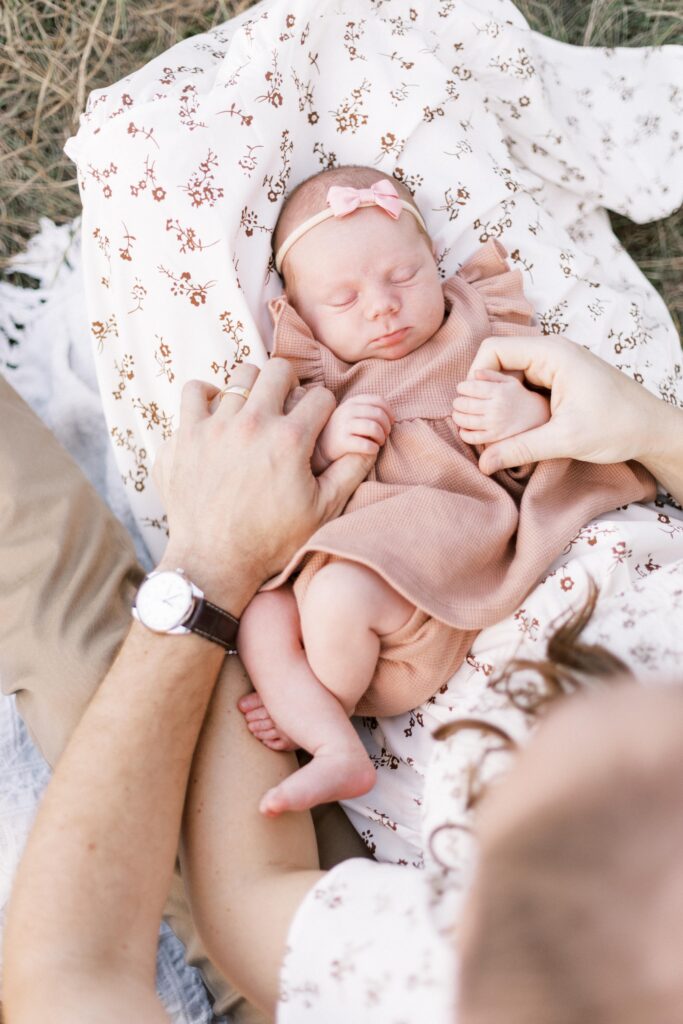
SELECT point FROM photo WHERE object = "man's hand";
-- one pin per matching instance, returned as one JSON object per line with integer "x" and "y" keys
{"x": 358, "y": 426}
{"x": 496, "y": 405}
{"x": 598, "y": 414}
{"x": 237, "y": 484}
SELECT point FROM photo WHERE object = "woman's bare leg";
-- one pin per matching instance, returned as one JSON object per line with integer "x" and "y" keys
{"x": 309, "y": 693}
{"x": 246, "y": 874}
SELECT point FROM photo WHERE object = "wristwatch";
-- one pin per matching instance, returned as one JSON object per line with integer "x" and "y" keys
{"x": 168, "y": 602}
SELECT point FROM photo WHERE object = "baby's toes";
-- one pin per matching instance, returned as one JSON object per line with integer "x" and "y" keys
{"x": 279, "y": 744}
{"x": 249, "y": 702}
{"x": 258, "y": 714}
{"x": 262, "y": 726}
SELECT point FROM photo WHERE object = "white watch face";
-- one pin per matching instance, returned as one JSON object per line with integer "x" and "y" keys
{"x": 164, "y": 601}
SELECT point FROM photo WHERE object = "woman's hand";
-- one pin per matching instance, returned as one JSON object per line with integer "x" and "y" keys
{"x": 359, "y": 425}
{"x": 598, "y": 414}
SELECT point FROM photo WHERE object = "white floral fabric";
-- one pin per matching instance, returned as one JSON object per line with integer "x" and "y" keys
{"x": 500, "y": 132}
{"x": 375, "y": 943}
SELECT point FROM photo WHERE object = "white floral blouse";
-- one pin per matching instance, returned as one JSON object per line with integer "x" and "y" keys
{"x": 376, "y": 942}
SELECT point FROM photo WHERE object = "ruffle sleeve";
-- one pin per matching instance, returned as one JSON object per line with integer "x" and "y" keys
{"x": 292, "y": 340}
{"x": 500, "y": 289}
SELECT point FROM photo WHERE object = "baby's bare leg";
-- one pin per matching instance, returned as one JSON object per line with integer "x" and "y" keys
{"x": 345, "y": 611}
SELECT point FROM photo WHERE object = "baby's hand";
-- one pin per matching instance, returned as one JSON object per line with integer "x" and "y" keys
{"x": 360, "y": 424}
{"x": 496, "y": 405}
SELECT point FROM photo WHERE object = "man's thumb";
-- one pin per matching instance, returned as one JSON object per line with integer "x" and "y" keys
{"x": 340, "y": 480}
{"x": 531, "y": 446}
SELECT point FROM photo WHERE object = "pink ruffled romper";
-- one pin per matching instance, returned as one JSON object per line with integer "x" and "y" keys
{"x": 464, "y": 548}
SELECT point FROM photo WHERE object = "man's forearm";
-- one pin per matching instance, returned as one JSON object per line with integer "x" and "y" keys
{"x": 112, "y": 812}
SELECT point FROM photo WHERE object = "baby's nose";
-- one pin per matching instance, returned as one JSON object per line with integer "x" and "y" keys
{"x": 380, "y": 302}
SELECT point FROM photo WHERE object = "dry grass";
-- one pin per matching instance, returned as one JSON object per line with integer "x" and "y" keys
{"x": 54, "y": 52}
{"x": 656, "y": 247}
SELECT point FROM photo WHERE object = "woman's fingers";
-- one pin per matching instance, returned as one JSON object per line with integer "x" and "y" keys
{"x": 530, "y": 446}
{"x": 474, "y": 388}
{"x": 495, "y": 376}
{"x": 531, "y": 354}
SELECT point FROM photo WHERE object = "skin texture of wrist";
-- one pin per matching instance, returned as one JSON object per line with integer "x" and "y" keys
{"x": 230, "y": 589}
{"x": 660, "y": 445}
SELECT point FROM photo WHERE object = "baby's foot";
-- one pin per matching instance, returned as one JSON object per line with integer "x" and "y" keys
{"x": 333, "y": 774}
{"x": 261, "y": 725}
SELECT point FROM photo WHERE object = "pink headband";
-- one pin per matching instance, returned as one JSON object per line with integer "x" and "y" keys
{"x": 343, "y": 201}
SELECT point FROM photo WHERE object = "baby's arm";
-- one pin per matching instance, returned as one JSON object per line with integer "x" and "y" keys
{"x": 360, "y": 424}
{"x": 496, "y": 405}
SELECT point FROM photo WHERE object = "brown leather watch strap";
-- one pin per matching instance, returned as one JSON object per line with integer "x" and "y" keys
{"x": 211, "y": 622}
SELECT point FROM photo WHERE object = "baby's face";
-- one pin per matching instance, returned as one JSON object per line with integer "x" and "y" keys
{"x": 366, "y": 285}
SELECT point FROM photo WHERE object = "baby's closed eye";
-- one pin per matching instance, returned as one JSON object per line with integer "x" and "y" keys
{"x": 403, "y": 276}
{"x": 342, "y": 300}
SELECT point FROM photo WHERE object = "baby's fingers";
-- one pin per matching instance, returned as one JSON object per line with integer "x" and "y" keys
{"x": 373, "y": 412}
{"x": 477, "y": 406}
{"x": 477, "y": 436}
{"x": 377, "y": 401}
{"x": 470, "y": 421}
{"x": 362, "y": 446}
{"x": 475, "y": 388}
{"x": 368, "y": 428}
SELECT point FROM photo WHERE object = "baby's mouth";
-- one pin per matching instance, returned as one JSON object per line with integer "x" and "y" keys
{"x": 392, "y": 338}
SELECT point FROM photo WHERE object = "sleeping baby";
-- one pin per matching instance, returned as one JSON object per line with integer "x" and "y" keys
{"x": 388, "y": 597}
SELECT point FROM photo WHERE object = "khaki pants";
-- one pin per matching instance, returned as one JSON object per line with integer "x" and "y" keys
{"x": 68, "y": 574}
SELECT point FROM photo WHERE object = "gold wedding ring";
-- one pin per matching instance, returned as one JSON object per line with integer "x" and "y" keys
{"x": 235, "y": 389}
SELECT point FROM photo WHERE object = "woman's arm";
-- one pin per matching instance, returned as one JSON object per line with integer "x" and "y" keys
{"x": 598, "y": 414}
{"x": 82, "y": 927}
{"x": 246, "y": 874}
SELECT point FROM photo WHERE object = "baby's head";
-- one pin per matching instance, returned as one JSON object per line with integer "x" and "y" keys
{"x": 366, "y": 282}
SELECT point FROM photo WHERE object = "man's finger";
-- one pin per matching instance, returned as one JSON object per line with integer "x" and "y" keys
{"x": 312, "y": 413}
{"x": 231, "y": 402}
{"x": 531, "y": 446}
{"x": 275, "y": 381}
{"x": 339, "y": 481}
{"x": 194, "y": 400}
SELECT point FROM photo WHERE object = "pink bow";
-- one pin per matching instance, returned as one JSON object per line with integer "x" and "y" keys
{"x": 343, "y": 201}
